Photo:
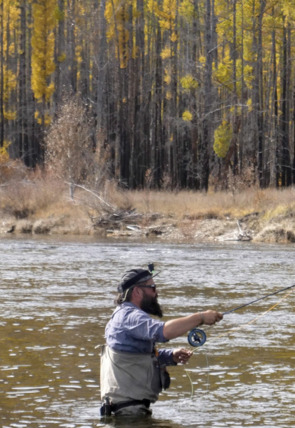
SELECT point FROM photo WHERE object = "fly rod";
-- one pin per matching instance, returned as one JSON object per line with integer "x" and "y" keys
{"x": 197, "y": 337}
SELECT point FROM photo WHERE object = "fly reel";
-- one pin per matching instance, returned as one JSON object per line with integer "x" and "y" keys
{"x": 196, "y": 337}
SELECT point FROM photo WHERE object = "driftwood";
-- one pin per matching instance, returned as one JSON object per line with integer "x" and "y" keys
{"x": 106, "y": 206}
{"x": 244, "y": 235}
{"x": 117, "y": 219}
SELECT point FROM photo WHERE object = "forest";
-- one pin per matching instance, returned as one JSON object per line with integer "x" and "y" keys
{"x": 174, "y": 94}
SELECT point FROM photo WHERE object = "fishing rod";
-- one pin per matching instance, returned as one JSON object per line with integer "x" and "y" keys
{"x": 197, "y": 337}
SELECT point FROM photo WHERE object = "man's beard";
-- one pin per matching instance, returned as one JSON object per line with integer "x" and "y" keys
{"x": 150, "y": 305}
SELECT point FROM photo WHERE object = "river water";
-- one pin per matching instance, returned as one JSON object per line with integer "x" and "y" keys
{"x": 57, "y": 295}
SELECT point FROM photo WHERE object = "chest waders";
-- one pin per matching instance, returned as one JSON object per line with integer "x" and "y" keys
{"x": 129, "y": 379}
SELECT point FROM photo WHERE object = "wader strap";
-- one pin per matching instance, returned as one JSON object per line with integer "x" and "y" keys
{"x": 116, "y": 407}
{"x": 107, "y": 408}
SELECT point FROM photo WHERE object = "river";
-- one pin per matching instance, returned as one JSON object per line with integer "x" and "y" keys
{"x": 57, "y": 295}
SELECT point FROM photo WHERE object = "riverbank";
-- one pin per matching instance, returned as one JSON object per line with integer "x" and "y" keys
{"x": 249, "y": 215}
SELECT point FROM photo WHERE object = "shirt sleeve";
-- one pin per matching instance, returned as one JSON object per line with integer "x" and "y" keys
{"x": 141, "y": 326}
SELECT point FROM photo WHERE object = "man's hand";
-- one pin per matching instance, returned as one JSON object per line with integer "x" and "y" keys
{"x": 211, "y": 317}
{"x": 181, "y": 355}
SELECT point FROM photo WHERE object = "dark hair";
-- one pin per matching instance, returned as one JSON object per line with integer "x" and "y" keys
{"x": 121, "y": 297}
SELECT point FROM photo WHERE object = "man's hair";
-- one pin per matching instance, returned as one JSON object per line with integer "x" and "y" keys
{"x": 124, "y": 298}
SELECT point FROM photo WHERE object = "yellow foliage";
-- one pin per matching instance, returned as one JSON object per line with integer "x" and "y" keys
{"x": 9, "y": 83}
{"x": 9, "y": 18}
{"x": 168, "y": 95}
{"x": 46, "y": 120}
{"x": 287, "y": 8}
{"x": 188, "y": 82}
{"x": 174, "y": 37}
{"x": 248, "y": 75}
{"x": 167, "y": 77}
{"x": 9, "y": 115}
{"x": 249, "y": 104}
{"x": 135, "y": 51}
{"x": 62, "y": 57}
{"x": 187, "y": 116}
{"x": 236, "y": 109}
{"x": 166, "y": 53}
{"x": 187, "y": 9}
{"x": 4, "y": 155}
{"x": 43, "y": 48}
{"x": 249, "y": 53}
{"x": 59, "y": 15}
{"x": 222, "y": 138}
{"x": 224, "y": 74}
{"x": 166, "y": 15}
{"x": 12, "y": 49}
{"x": 117, "y": 17}
{"x": 78, "y": 54}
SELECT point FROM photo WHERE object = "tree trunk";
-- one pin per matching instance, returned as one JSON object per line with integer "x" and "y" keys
{"x": 1, "y": 75}
{"x": 59, "y": 60}
{"x": 286, "y": 161}
{"x": 207, "y": 114}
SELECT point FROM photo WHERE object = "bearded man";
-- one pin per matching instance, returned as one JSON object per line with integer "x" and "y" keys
{"x": 133, "y": 372}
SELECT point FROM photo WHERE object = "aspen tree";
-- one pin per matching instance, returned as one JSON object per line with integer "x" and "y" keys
{"x": 170, "y": 83}
{"x": 167, "y": 15}
{"x": 26, "y": 143}
{"x": 9, "y": 14}
{"x": 1, "y": 74}
{"x": 117, "y": 17}
{"x": 59, "y": 52}
{"x": 44, "y": 22}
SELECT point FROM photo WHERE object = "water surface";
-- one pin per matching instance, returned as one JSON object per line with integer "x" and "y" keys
{"x": 57, "y": 295}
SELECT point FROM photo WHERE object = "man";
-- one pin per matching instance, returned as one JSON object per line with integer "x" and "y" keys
{"x": 133, "y": 371}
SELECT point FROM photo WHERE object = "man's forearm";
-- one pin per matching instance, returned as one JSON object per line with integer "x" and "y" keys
{"x": 179, "y": 326}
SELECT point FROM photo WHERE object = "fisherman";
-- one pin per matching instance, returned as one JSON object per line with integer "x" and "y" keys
{"x": 133, "y": 372}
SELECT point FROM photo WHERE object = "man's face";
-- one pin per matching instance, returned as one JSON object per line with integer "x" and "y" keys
{"x": 149, "y": 302}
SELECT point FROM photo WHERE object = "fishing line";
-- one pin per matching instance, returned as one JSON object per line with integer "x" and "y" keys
{"x": 236, "y": 329}
{"x": 208, "y": 373}
{"x": 258, "y": 316}
{"x": 197, "y": 337}
{"x": 257, "y": 300}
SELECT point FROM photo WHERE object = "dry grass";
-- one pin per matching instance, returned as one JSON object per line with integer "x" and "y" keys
{"x": 196, "y": 205}
{"x": 29, "y": 198}
{"x": 35, "y": 202}
{"x": 42, "y": 197}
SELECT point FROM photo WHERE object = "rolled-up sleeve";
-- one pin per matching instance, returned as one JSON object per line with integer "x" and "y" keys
{"x": 132, "y": 330}
{"x": 142, "y": 326}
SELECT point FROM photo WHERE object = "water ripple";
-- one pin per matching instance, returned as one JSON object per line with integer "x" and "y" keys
{"x": 56, "y": 297}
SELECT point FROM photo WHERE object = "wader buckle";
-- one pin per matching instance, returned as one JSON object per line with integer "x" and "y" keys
{"x": 106, "y": 408}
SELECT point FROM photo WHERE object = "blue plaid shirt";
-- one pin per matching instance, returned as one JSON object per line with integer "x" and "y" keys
{"x": 132, "y": 330}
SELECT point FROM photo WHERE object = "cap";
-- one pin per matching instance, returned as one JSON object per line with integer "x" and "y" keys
{"x": 132, "y": 277}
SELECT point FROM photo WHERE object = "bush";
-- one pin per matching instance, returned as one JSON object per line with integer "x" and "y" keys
{"x": 70, "y": 150}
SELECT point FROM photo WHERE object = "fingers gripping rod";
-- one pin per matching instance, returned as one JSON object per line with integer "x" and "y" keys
{"x": 197, "y": 337}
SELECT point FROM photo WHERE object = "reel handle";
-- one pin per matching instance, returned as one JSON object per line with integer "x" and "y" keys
{"x": 196, "y": 337}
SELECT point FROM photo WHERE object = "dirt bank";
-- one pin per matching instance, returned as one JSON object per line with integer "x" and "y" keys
{"x": 253, "y": 227}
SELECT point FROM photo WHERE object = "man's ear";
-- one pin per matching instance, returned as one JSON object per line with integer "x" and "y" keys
{"x": 137, "y": 291}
